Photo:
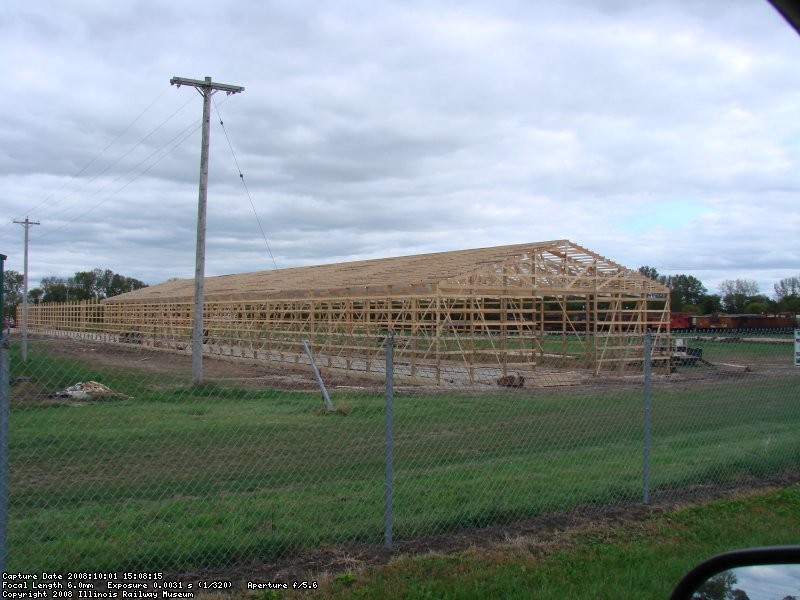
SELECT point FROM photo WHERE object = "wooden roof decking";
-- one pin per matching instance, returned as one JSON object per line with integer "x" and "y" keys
{"x": 555, "y": 267}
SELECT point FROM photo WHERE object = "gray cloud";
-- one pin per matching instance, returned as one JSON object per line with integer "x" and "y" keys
{"x": 662, "y": 133}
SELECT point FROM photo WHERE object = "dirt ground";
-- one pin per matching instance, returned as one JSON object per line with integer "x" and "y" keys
{"x": 289, "y": 376}
{"x": 545, "y": 531}
{"x": 264, "y": 375}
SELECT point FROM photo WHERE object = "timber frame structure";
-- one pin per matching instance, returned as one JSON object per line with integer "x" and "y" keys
{"x": 489, "y": 310}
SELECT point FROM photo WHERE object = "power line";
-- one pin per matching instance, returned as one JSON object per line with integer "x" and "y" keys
{"x": 164, "y": 151}
{"x": 184, "y": 135}
{"x": 97, "y": 156}
{"x": 139, "y": 143}
{"x": 247, "y": 191}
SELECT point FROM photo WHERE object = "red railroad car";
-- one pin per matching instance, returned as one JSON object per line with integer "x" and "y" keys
{"x": 688, "y": 321}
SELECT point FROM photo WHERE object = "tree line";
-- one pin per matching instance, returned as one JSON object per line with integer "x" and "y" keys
{"x": 96, "y": 284}
{"x": 735, "y": 296}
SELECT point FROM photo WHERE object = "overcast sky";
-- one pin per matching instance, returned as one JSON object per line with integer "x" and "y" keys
{"x": 654, "y": 133}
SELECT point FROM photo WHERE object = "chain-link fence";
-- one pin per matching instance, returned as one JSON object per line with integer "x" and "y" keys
{"x": 118, "y": 464}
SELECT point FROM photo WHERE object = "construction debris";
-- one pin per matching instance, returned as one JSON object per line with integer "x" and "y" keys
{"x": 86, "y": 389}
{"x": 516, "y": 381}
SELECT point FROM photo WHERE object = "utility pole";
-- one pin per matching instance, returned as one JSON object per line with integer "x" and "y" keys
{"x": 27, "y": 223}
{"x": 206, "y": 89}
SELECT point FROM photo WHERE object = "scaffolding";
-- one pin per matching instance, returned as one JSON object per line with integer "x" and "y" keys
{"x": 508, "y": 309}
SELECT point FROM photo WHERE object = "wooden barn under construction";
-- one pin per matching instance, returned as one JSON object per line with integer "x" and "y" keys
{"x": 467, "y": 313}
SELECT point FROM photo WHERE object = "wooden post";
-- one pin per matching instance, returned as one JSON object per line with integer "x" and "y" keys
{"x": 206, "y": 89}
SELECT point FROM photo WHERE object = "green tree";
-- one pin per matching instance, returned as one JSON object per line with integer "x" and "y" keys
{"x": 790, "y": 304}
{"x": 58, "y": 289}
{"x": 85, "y": 285}
{"x": 760, "y": 304}
{"x": 756, "y": 307}
{"x": 720, "y": 587}
{"x": 787, "y": 295}
{"x": 685, "y": 290}
{"x": 13, "y": 282}
{"x": 120, "y": 284}
{"x": 736, "y": 293}
{"x": 787, "y": 287}
{"x": 710, "y": 304}
{"x": 35, "y": 295}
{"x": 54, "y": 289}
{"x": 96, "y": 284}
{"x": 652, "y": 273}
{"x": 102, "y": 284}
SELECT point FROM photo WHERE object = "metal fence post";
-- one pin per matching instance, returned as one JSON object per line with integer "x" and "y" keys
{"x": 648, "y": 398}
{"x": 325, "y": 397}
{"x": 389, "y": 471}
{"x": 3, "y": 258}
{"x": 5, "y": 374}
{"x": 4, "y": 404}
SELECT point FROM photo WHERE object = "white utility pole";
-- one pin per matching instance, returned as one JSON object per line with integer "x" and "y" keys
{"x": 206, "y": 89}
{"x": 24, "y": 355}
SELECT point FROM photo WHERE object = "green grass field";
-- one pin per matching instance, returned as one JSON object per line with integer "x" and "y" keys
{"x": 174, "y": 478}
{"x": 733, "y": 348}
{"x": 641, "y": 559}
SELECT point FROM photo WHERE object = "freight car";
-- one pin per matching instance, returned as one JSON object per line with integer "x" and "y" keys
{"x": 680, "y": 322}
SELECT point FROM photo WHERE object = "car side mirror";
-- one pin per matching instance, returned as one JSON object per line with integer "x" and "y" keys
{"x": 771, "y": 573}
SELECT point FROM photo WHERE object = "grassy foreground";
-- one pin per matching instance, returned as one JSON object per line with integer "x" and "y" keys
{"x": 170, "y": 477}
{"x": 643, "y": 559}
